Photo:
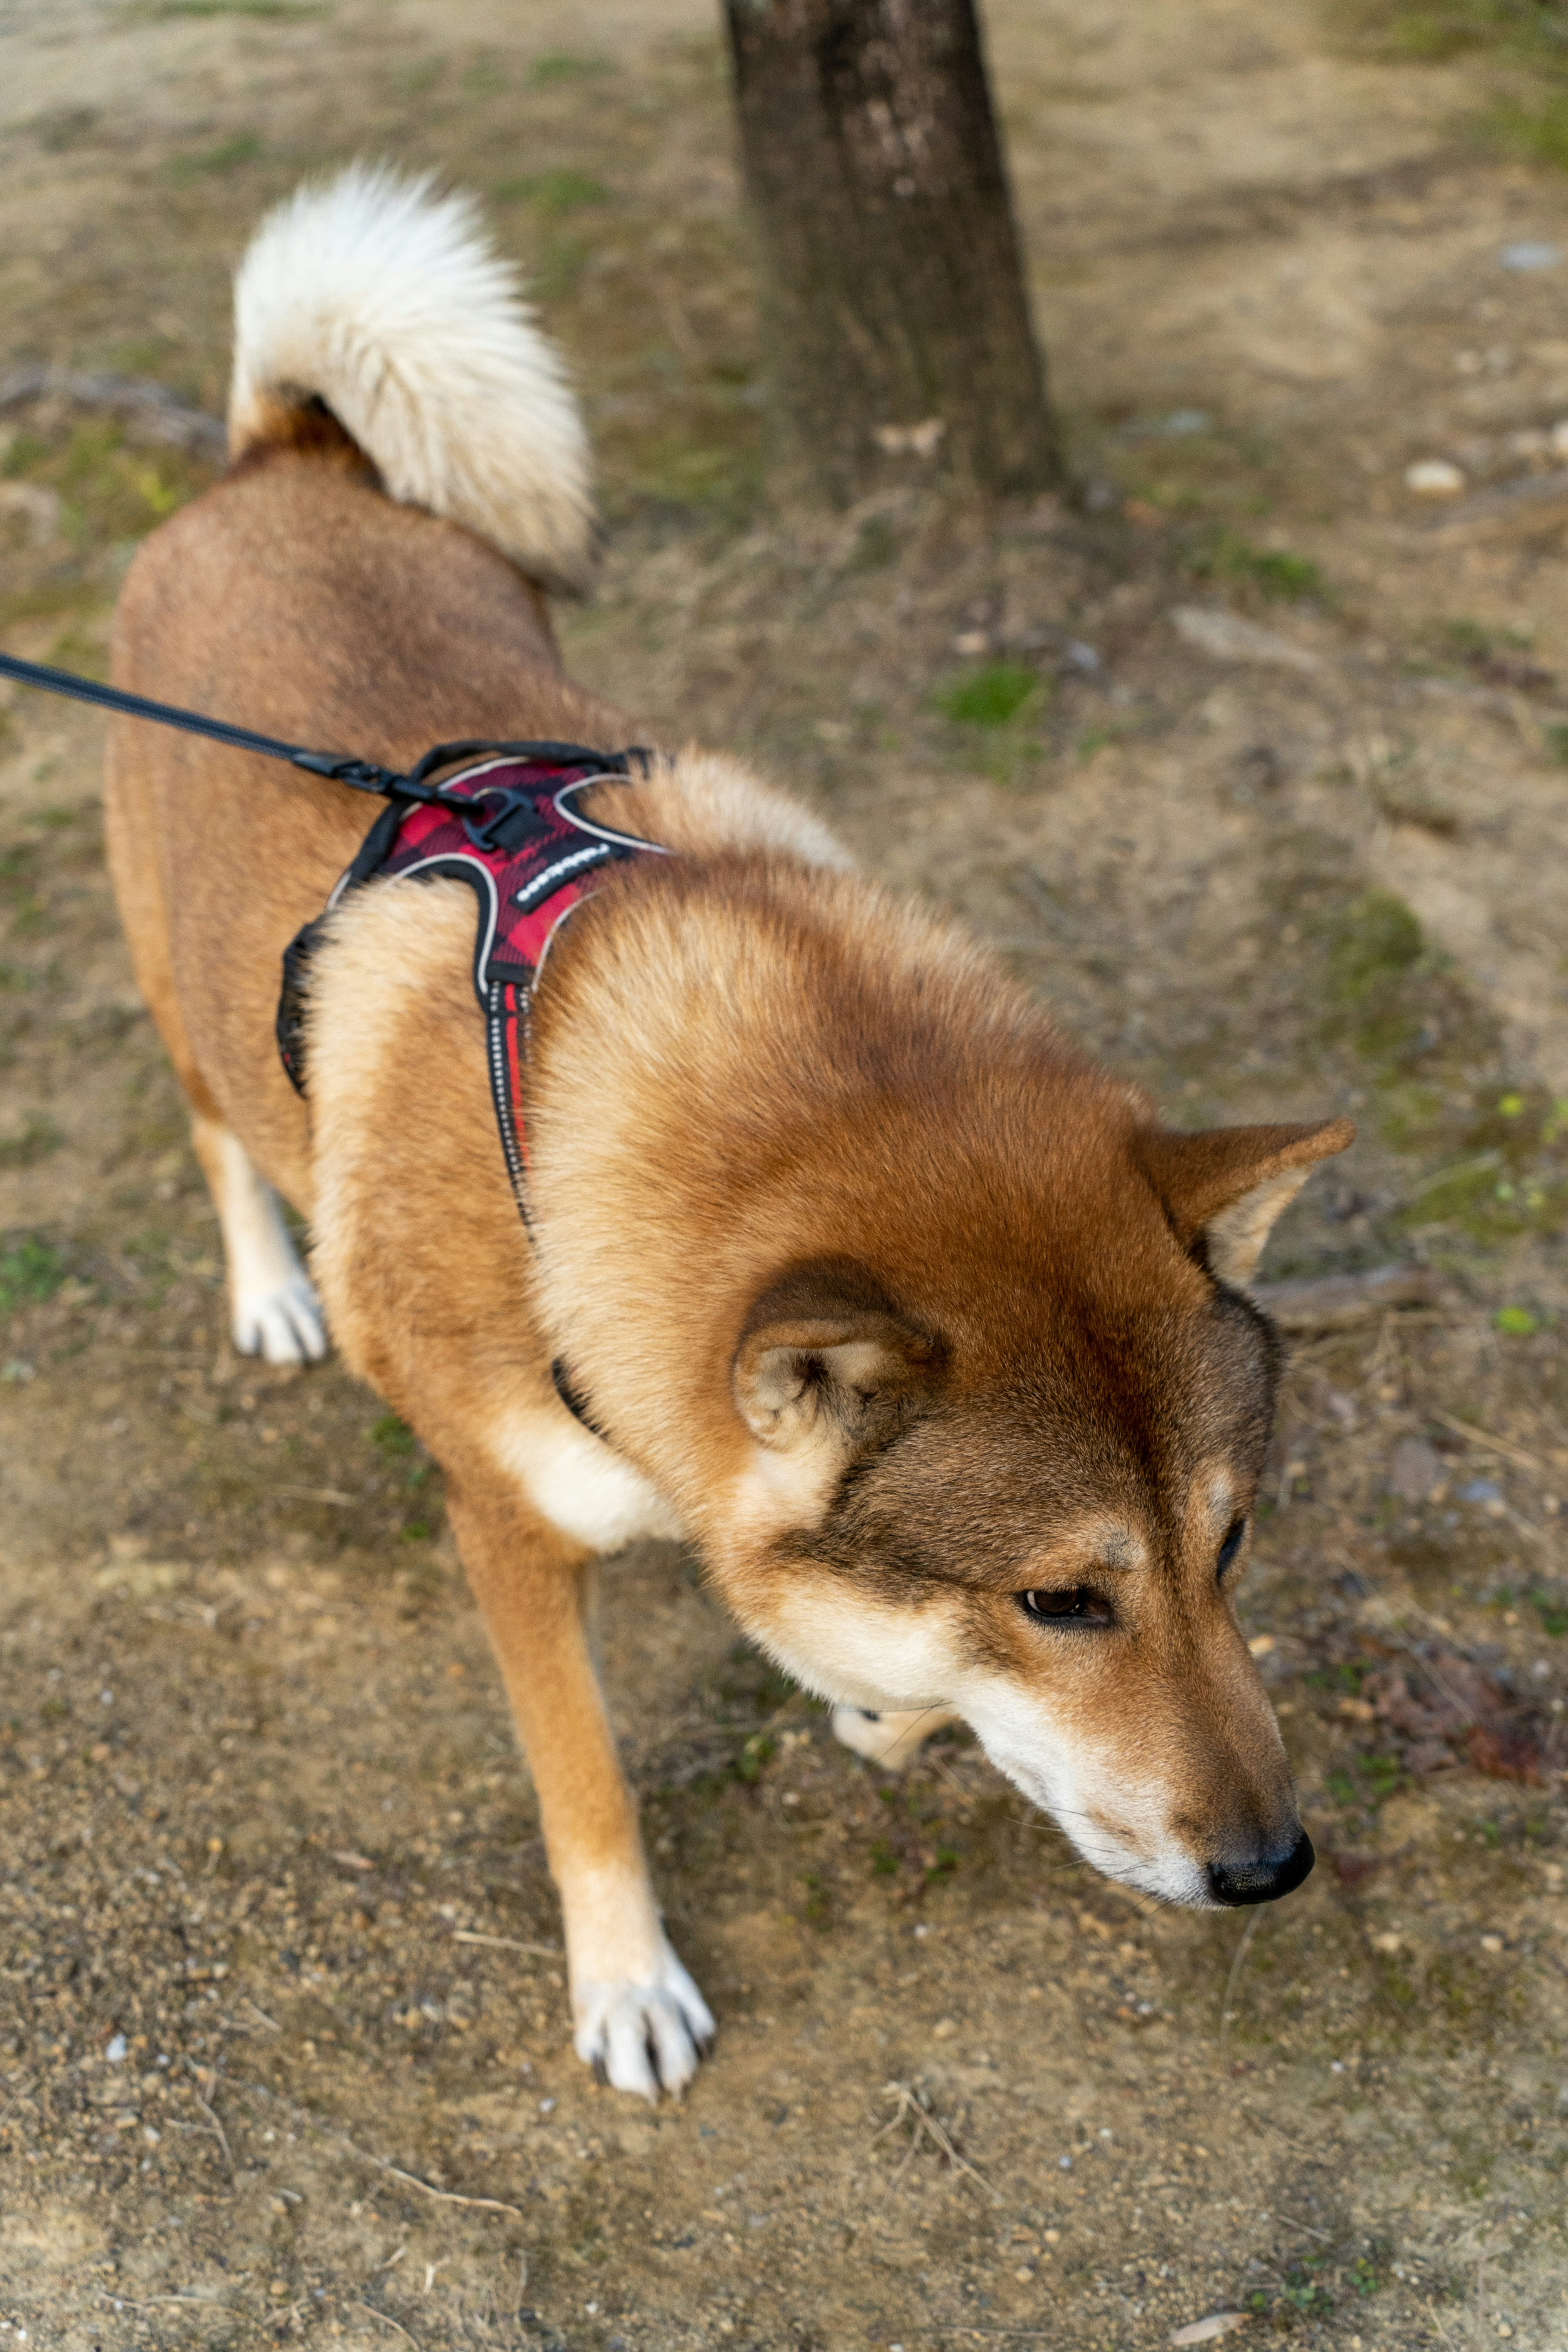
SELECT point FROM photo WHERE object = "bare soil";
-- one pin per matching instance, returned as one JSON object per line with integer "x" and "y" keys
{"x": 283, "y": 2045}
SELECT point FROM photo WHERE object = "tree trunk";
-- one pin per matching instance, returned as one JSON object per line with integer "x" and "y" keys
{"x": 897, "y": 324}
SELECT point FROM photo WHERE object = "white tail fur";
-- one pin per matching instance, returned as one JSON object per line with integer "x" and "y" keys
{"x": 391, "y": 305}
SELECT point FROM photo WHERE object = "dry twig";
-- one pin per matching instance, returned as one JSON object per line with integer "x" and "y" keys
{"x": 1485, "y": 1443}
{"x": 388, "y": 2321}
{"x": 912, "y": 2108}
{"x": 1234, "y": 1979}
{"x": 217, "y": 2130}
{"x": 1337, "y": 1302}
{"x": 381, "y": 2164}
{"x": 506, "y": 1944}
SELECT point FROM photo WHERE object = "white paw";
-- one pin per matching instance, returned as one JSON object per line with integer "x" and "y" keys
{"x": 644, "y": 2037}
{"x": 283, "y": 1324}
{"x": 893, "y": 1739}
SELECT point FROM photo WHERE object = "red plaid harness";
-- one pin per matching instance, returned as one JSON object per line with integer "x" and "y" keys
{"x": 508, "y": 827}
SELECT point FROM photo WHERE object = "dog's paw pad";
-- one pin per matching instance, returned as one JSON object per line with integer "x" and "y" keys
{"x": 644, "y": 2037}
{"x": 283, "y": 1325}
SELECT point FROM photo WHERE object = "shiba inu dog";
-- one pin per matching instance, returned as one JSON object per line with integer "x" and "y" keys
{"x": 912, "y": 1320}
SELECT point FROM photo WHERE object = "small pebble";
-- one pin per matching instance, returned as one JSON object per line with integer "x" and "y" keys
{"x": 115, "y": 2053}
{"x": 1414, "y": 1470}
{"x": 1434, "y": 478}
{"x": 1528, "y": 254}
{"x": 1492, "y": 1943}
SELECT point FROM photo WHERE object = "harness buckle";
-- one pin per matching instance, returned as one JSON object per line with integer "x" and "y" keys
{"x": 488, "y": 832}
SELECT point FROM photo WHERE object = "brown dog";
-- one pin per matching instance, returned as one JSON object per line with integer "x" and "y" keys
{"x": 912, "y": 1320}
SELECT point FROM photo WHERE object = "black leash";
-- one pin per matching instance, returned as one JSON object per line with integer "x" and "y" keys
{"x": 360, "y": 775}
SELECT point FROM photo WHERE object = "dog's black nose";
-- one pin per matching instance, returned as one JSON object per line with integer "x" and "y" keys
{"x": 1262, "y": 1877}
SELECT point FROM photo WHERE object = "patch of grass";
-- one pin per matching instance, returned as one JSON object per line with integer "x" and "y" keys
{"x": 484, "y": 77}
{"x": 1432, "y": 31}
{"x": 1553, "y": 1616}
{"x": 1536, "y": 130}
{"x": 990, "y": 696}
{"x": 876, "y": 545}
{"x": 1517, "y": 1322}
{"x": 36, "y": 1140}
{"x": 817, "y": 1907}
{"x": 392, "y": 1435}
{"x": 563, "y": 65}
{"x": 552, "y": 193}
{"x": 109, "y": 492}
{"x": 241, "y": 147}
{"x": 30, "y": 1272}
{"x": 1273, "y": 571}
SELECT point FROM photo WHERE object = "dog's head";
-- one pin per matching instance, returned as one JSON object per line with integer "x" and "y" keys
{"x": 1016, "y": 1475}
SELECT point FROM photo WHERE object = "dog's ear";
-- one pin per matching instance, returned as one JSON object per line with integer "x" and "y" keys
{"x": 1223, "y": 1190}
{"x": 825, "y": 1358}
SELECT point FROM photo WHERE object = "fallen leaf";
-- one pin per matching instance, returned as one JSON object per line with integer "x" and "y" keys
{"x": 1504, "y": 1755}
{"x": 1204, "y": 2331}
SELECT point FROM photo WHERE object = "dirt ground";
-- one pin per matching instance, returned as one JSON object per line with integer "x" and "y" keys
{"x": 1254, "y": 759}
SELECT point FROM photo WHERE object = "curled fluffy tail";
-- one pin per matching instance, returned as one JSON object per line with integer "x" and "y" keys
{"x": 390, "y": 304}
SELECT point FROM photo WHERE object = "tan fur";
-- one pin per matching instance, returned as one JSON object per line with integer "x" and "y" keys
{"x": 879, "y": 1289}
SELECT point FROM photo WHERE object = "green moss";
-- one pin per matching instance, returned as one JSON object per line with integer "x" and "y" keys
{"x": 990, "y": 696}
{"x": 1536, "y": 130}
{"x": 35, "y": 1141}
{"x": 1431, "y": 31}
{"x": 1374, "y": 941}
{"x": 756, "y": 1757}
{"x": 876, "y": 545}
{"x": 1517, "y": 1322}
{"x": 392, "y": 1435}
{"x": 561, "y": 64}
{"x": 552, "y": 193}
{"x": 241, "y": 147}
{"x": 30, "y": 1272}
{"x": 1273, "y": 571}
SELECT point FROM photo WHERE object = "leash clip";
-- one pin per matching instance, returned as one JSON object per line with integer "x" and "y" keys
{"x": 360, "y": 775}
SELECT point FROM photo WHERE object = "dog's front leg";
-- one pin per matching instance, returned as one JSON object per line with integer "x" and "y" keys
{"x": 637, "y": 2017}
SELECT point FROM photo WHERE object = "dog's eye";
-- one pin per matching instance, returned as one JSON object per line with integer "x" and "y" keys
{"x": 1231, "y": 1544}
{"x": 1076, "y": 1606}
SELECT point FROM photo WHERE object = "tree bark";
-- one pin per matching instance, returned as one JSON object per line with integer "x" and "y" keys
{"x": 897, "y": 324}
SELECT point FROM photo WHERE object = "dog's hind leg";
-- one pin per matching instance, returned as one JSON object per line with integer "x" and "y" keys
{"x": 273, "y": 1311}
{"x": 894, "y": 1738}
{"x": 638, "y": 2018}
{"x": 273, "y": 1308}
